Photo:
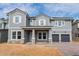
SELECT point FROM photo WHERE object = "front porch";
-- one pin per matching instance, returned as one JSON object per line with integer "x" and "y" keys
{"x": 35, "y": 35}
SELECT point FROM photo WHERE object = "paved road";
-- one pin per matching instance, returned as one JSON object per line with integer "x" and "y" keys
{"x": 69, "y": 49}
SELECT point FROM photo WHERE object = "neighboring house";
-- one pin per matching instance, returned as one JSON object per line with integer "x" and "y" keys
{"x": 3, "y": 30}
{"x": 75, "y": 30}
{"x": 22, "y": 28}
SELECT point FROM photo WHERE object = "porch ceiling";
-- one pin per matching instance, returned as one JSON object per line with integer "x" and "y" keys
{"x": 37, "y": 27}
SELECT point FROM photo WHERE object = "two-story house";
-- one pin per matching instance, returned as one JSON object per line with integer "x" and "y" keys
{"x": 41, "y": 28}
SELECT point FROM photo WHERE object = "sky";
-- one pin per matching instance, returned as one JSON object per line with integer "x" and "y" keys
{"x": 50, "y": 9}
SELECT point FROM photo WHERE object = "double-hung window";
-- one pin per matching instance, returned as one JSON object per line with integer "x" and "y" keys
{"x": 16, "y": 34}
{"x": 60, "y": 23}
{"x": 42, "y": 35}
{"x": 42, "y": 22}
{"x": 19, "y": 35}
{"x": 17, "y": 19}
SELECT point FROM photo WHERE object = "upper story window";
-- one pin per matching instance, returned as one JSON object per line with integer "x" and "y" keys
{"x": 31, "y": 22}
{"x": 61, "y": 23}
{"x": 42, "y": 22}
{"x": 17, "y": 19}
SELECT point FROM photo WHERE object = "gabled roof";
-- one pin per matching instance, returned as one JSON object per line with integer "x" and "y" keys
{"x": 42, "y": 14}
{"x": 17, "y": 9}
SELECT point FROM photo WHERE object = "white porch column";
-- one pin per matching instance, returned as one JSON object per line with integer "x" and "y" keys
{"x": 22, "y": 36}
{"x": 59, "y": 38}
{"x": 70, "y": 37}
{"x": 33, "y": 36}
{"x": 50, "y": 37}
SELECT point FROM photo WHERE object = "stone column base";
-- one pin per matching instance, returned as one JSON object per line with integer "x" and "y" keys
{"x": 33, "y": 41}
{"x": 18, "y": 41}
{"x": 50, "y": 41}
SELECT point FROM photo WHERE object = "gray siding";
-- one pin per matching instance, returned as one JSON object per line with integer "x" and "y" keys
{"x": 37, "y": 18}
{"x": 75, "y": 30}
{"x": 23, "y": 20}
{"x": 62, "y": 30}
{"x": 67, "y": 27}
{"x": 3, "y": 36}
{"x": 27, "y": 36}
{"x": 16, "y": 27}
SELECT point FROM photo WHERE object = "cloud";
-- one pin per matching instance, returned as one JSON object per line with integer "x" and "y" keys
{"x": 51, "y": 9}
{"x": 62, "y": 9}
{"x": 25, "y": 7}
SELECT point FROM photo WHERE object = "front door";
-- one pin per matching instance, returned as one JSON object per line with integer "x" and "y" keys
{"x": 42, "y": 35}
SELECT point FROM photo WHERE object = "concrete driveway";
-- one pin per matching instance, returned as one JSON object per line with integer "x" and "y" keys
{"x": 69, "y": 49}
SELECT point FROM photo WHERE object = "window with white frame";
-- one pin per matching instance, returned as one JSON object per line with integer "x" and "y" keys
{"x": 17, "y": 19}
{"x": 19, "y": 35}
{"x": 60, "y": 23}
{"x": 31, "y": 22}
{"x": 42, "y": 35}
{"x": 16, "y": 34}
{"x": 42, "y": 22}
{"x": 54, "y": 23}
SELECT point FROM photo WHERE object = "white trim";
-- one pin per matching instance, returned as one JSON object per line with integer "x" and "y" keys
{"x": 42, "y": 35}
{"x": 59, "y": 38}
{"x": 70, "y": 37}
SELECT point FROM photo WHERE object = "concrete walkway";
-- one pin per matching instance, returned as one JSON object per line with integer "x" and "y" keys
{"x": 69, "y": 49}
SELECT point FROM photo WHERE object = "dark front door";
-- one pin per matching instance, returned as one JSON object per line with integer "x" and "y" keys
{"x": 55, "y": 37}
{"x": 65, "y": 37}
